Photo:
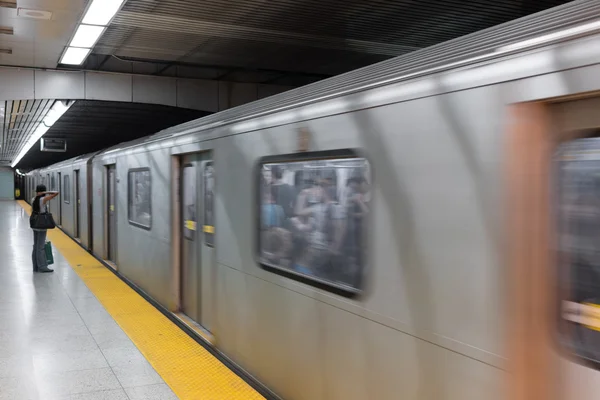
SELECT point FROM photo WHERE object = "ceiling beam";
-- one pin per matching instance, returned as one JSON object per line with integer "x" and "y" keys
{"x": 8, "y": 3}
{"x": 229, "y": 68}
{"x": 169, "y": 23}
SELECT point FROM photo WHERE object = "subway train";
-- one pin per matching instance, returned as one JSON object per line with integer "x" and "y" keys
{"x": 422, "y": 228}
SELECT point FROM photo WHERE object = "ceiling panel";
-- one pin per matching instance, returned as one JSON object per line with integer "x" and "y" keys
{"x": 320, "y": 37}
{"x": 94, "y": 125}
{"x": 32, "y": 35}
{"x": 19, "y": 120}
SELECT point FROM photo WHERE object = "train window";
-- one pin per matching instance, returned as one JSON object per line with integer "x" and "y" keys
{"x": 578, "y": 171}
{"x": 67, "y": 189}
{"x": 209, "y": 195}
{"x": 140, "y": 197}
{"x": 189, "y": 201}
{"x": 313, "y": 214}
{"x": 53, "y": 182}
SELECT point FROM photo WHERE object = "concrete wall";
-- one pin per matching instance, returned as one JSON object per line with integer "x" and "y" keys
{"x": 7, "y": 184}
{"x": 198, "y": 94}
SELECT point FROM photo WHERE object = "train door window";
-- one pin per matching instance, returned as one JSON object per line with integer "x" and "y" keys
{"x": 189, "y": 201}
{"x": 190, "y": 250}
{"x": 59, "y": 198}
{"x": 313, "y": 212}
{"x": 209, "y": 215}
{"x": 578, "y": 171}
{"x": 67, "y": 190}
{"x": 77, "y": 205}
{"x": 53, "y": 182}
{"x": 111, "y": 179}
{"x": 140, "y": 198}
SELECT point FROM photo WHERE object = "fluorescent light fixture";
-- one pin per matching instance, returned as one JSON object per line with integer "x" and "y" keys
{"x": 57, "y": 111}
{"x": 86, "y": 36}
{"x": 565, "y": 33}
{"x": 101, "y": 12}
{"x": 74, "y": 55}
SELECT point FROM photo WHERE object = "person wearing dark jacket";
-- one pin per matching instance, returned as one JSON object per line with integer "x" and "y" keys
{"x": 39, "y": 205}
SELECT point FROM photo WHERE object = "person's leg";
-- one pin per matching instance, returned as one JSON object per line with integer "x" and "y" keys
{"x": 34, "y": 251}
{"x": 41, "y": 253}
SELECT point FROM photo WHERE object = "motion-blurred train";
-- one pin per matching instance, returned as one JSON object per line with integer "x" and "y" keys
{"x": 425, "y": 228}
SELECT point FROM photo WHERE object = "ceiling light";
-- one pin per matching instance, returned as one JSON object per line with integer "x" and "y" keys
{"x": 86, "y": 36}
{"x": 101, "y": 12}
{"x": 57, "y": 111}
{"x": 74, "y": 55}
{"x": 34, "y": 14}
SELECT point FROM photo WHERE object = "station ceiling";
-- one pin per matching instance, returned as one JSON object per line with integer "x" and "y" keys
{"x": 90, "y": 125}
{"x": 287, "y": 42}
{"x": 281, "y": 42}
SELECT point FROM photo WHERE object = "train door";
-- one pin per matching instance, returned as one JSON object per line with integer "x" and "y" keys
{"x": 77, "y": 204}
{"x": 197, "y": 248}
{"x": 60, "y": 196}
{"x": 111, "y": 213}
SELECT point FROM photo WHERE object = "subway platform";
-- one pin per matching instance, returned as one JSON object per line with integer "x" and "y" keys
{"x": 81, "y": 333}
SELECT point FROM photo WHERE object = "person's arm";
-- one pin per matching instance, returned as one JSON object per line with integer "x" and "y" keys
{"x": 364, "y": 209}
{"x": 301, "y": 204}
{"x": 340, "y": 226}
{"x": 49, "y": 196}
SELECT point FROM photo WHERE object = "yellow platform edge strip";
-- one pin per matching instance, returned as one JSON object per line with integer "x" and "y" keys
{"x": 188, "y": 368}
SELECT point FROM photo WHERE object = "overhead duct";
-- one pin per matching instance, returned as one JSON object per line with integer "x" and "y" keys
{"x": 8, "y": 3}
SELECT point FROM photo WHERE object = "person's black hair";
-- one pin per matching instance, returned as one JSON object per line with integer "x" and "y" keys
{"x": 35, "y": 207}
{"x": 277, "y": 172}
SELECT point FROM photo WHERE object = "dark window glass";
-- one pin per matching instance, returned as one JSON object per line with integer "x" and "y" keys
{"x": 209, "y": 196}
{"x": 140, "y": 197}
{"x": 66, "y": 189}
{"x": 313, "y": 219}
{"x": 189, "y": 202}
{"x": 578, "y": 207}
{"x": 53, "y": 182}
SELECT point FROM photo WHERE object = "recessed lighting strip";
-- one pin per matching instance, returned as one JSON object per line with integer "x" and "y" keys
{"x": 94, "y": 23}
{"x": 58, "y": 109}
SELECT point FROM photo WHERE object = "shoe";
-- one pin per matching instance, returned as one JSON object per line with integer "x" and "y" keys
{"x": 45, "y": 270}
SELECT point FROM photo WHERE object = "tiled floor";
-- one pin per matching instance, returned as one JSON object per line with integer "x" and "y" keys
{"x": 56, "y": 340}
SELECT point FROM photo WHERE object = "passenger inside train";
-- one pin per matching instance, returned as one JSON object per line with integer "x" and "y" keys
{"x": 313, "y": 215}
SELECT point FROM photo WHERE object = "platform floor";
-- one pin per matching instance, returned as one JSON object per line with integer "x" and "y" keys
{"x": 81, "y": 333}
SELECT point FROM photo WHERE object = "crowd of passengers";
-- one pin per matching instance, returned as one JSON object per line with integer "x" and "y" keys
{"x": 307, "y": 229}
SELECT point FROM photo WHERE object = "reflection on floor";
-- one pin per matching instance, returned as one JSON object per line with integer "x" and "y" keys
{"x": 56, "y": 340}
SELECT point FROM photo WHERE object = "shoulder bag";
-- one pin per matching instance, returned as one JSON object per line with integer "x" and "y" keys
{"x": 41, "y": 221}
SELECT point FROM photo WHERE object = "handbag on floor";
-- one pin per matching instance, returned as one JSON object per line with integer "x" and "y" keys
{"x": 41, "y": 221}
{"x": 49, "y": 255}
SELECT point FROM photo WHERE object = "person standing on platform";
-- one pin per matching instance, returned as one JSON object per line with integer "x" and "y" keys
{"x": 39, "y": 205}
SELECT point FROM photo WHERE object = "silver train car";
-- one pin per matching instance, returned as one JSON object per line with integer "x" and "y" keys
{"x": 385, "y": 234}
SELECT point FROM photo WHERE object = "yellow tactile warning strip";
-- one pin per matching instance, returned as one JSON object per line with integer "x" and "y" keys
{"x": 189, "y": 369}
